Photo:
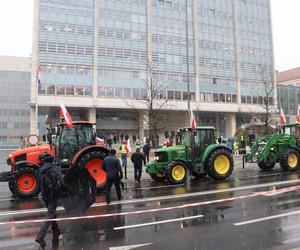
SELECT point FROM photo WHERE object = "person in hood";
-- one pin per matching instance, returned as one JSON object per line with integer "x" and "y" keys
{"x": 51, "y": 183}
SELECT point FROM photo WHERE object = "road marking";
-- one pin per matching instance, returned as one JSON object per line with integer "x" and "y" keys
{"x": 266, "y": 218}
{"x": 279, "y": 191}
{"x": 130, "y": 246}
{"x": 158, "y": 198}
{"x": 158, "y": 222}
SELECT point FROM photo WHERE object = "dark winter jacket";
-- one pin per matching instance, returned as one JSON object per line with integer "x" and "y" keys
{"x": 138, "y": 158}
{"x": 112, "y": 167}
{"x": 46, "y": 166}
{"x": 146, "y": 149}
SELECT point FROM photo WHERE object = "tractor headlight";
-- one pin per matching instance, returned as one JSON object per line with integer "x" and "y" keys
{"x": 156, "y": 158}
{"x": 272, "y": 149}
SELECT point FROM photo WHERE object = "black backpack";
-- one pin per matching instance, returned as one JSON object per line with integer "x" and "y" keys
{"x": 50, "y": 183}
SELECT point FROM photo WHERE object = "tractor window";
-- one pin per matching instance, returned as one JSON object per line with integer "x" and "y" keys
{"x": 204, "y": 137}
{"x": 85, "y": 135}
{"x": 185, "y": 138}
{"x": 68, "y": 143}
{"x": 287, "y": 130}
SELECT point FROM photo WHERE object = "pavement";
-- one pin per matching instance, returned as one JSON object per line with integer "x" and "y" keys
{"x": 250, "y": 210}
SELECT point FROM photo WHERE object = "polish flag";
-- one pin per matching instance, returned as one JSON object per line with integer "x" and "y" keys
{"x": 127, "y": 146}
{"x": 298, "y": 114}
{"x": 193, "y": 121}
{"x": 65, "y": 115}
{"x": 282, "y": 117}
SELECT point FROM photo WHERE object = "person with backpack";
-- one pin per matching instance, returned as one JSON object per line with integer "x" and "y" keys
{"x": 138, "y": 159}
{"x": 114, "y": 174}
{"x": 51, "y": 183}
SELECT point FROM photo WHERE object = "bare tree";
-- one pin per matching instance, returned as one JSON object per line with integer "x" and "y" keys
{"x": 154, "y": 103}
{"x": 268, "y": 98}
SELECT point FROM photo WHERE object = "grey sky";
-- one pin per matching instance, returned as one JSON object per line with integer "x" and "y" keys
{"x": 16, "y": 30}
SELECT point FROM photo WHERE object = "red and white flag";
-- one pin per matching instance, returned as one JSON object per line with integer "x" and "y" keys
{"x": 298, "y": 114}
{"x": 193, "y": 121}
{"x": 65, "y": 115}
{"x": 282, "y": 117}
{"x": 127, "y": 146}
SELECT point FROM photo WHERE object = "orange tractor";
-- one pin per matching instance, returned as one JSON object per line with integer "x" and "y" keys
{"x": 75, "y": 150}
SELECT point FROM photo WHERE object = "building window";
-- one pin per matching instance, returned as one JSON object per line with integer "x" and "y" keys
{"x": 243, "y": 99}
{"x": 135, "y": 93}
{"x": 222, "y": 97}
{"x": 170, "y": 94}
{"x": 216, "y": 97}
{"x": 60, "y": 89}
{"x": 118, "y": 92}
{"x": 127, "y": 92}
{"x": 228, "y": 98}
{"x": 101, "y": 91}
{"x": 177, "y": 95}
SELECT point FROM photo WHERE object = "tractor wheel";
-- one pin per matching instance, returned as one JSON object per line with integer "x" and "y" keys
{"x": 198, "y": 175}
{"x": 290, "y": 160}
{"x": 219, "y": 164}
{"x": 176, "y": 172}
{"x": 158, "y": 177}
{"x": 265, "y": 166}
{"x": 24, "y": 183}
{"x": 93, "y": 162}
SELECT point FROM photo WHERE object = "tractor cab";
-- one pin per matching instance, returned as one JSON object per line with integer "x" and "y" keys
{"x": 203, "y": 136}
{"x": 291, "y": 129}
{"x": 68, "y": 141}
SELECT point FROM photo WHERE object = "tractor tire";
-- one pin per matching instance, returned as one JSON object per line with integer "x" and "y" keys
{"x": 25, "y": 183}
{"x": 290, "y": 160}
{"x": 91, "y": 161}
{"x": 265, "y": 166}
{"x": 219, "y": 164}
{"x": 158, "y": 177}
{"x": 176, "y": 173}
{"x": 198, "y": 175}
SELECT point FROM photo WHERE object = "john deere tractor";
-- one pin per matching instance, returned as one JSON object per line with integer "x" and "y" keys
{"x": 195, "y": 151}
{"x": 74, "y": 149}
{"x": 282, "y": 147}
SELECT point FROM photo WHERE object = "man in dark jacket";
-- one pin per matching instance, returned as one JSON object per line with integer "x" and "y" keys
{"x": 146, "y": 150}
{"x": 50, "y": 192}
{"x": 114, "y": 174}
{"x": 138, "y": 158}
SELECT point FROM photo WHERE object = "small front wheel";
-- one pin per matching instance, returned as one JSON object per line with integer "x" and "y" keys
{"x": 176, "y": 172}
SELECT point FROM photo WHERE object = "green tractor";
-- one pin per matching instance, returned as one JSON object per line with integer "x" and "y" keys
{"x": 195, "y": 151}
{"x": 282, "y": 148}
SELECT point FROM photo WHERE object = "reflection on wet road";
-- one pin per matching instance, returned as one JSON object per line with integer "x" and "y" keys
{"x": 252, "y": 210}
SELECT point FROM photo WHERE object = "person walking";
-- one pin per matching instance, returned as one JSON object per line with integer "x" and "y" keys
{"x": 114, "y": 174}
{"x": 51, "y": 183}
{"x": 138, "y": 159}
{"x": 146, "y": 150}
{"x": 236, "y": 148}
{"x": 124, "y": 153}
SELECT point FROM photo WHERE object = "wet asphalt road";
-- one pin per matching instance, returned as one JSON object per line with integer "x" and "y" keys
{"x": 202, "y": 214}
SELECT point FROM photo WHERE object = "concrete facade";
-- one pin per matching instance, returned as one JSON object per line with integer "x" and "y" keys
{"x": 103, "y": 55}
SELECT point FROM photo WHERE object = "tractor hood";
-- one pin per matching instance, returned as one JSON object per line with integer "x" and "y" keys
{"x": 173, "y": 148}
{"x": 30, "y": 153}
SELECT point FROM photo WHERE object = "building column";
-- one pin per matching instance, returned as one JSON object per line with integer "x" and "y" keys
{"x": 92, "y": 115}
{"x": 143, "y": 126}
{"x": 96, "y": 50}
{"x": 196, "y": 50}
{"x": 33, "y": 119}
{"x": 230, "y": 124}
{"x": 237, "y": 51}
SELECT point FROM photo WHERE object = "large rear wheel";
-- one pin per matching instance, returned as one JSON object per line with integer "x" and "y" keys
{"x": 25, "y": 184}
{"x": 290, "y": 160}
{"x": 176, "y": 172}
{"x": 220, "y": 164}
{"x": 93, "y": 162}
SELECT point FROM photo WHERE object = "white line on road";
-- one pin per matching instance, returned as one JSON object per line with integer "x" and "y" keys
{"x": 130, "y": 246}
{"x": 158, "y": 198}
{"x": 158, "y": 222}
{"x": 266, "y": 218}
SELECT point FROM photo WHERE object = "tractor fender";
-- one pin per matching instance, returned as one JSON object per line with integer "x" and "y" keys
{"x": 211, "y": 148}
{"x": 183, "y": 162}
{"x": 30, "y": 164}
{"x": 86, "y": 150}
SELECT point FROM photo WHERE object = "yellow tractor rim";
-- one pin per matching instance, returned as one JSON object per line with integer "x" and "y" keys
{"x": 178, "y": 173}
{"x": 222, "y": 164}
{"x": 292, "y": 160}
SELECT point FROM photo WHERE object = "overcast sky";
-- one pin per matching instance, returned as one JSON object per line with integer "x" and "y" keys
{"x": 16, "y": 30}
